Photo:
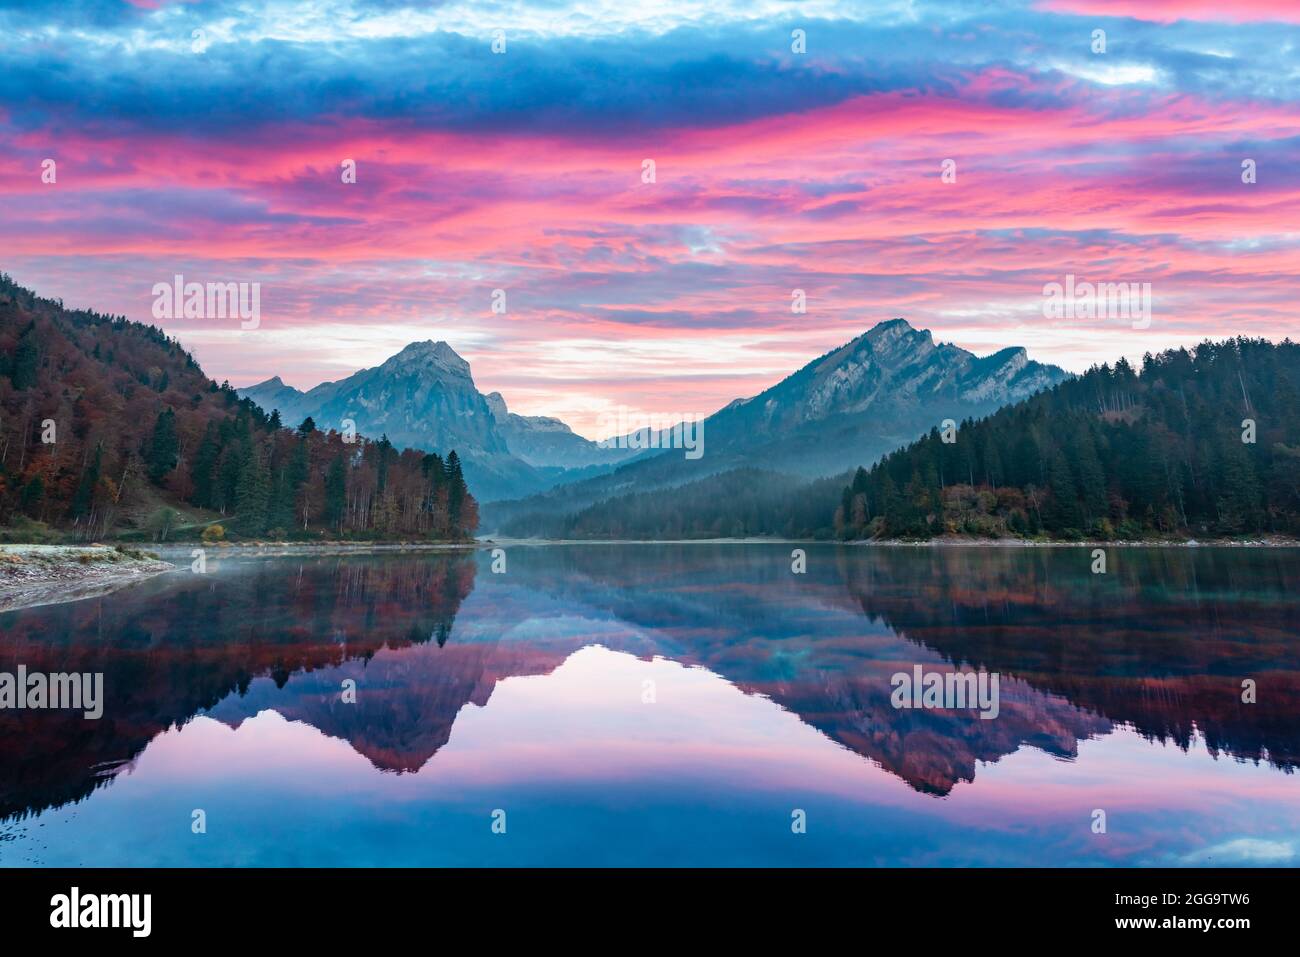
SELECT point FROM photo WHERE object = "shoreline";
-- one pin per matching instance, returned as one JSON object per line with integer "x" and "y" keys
{"x": 945, "y": 542}
{"x": 236, "y": 549}
{"x": 36, "y": 575}
{"x": 1272, "y": 542}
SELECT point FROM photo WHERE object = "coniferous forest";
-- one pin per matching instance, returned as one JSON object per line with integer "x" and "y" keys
{"x": 1203, "y": 442}
{"x": 109, "y": 428}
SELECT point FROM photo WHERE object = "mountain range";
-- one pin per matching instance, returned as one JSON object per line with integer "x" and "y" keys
{"x": 844, "y": 409}
{"x": 146, "y": 439}
{"x": 424, "y": 397}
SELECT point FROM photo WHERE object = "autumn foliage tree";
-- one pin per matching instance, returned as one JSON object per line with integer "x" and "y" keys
{"x": 103, "y": 422}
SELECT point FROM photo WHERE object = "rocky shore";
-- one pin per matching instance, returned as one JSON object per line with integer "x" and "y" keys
{"x": 49, "y": 574}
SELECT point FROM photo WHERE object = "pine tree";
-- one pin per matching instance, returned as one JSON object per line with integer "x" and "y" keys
{"x": 1091, "y": 476}
{"x": 231, "y": 466}
{"x": 164, "y": 447}
{"x": 456, "y": 490}
{"x": 204, "y": 470}
{"x": 27, "y": 360}
{"x": 1062, "y": 514}
{"x": 384, "y": 454}
{"x": 252, "y": 495}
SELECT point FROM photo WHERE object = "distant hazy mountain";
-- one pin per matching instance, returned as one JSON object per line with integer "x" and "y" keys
{"x": 845, "y": 409}
{"x": 274, "y": 394}
{"x": 547, "y": 442}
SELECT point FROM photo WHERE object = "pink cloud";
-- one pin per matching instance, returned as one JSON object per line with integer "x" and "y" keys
{"x": 1167, "y": 11}
{"x": 845, "y": 201}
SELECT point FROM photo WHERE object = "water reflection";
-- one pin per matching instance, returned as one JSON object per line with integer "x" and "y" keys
{"x": 181, "y": 644}
{"x": 1160, "y": 645}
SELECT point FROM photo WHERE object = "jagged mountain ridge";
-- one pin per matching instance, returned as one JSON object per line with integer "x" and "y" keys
{"x": 423, "y": 397}
{"x": 844, "y": 409}
{"x": 871, "y": 395}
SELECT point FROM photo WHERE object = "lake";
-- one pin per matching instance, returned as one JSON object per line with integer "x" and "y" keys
{"x": 663, "y": 705}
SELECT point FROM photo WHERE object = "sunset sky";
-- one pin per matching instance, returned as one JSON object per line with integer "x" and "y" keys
{"x": 218, "y": 156}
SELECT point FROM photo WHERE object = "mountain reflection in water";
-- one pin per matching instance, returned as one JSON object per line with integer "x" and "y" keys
{"x": 1158, "y": 647}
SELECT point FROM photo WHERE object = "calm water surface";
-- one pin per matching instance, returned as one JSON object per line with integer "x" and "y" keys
{"x": 667, "y": 705}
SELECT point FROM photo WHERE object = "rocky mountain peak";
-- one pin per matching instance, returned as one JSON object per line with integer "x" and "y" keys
{"x": 497, "y": 403}
{"x": 428, "y": 354}
{"x": 891, "y": 333}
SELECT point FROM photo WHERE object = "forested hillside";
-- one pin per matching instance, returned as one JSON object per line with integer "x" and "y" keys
{"x": 110, "y": 428}
{"x": 741, "y": 503}
{"x": 1198, "y": 443}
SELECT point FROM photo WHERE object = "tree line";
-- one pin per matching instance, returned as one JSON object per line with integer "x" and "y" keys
{"x": 109, "y": 427}
{"x": 1198, "y": 442}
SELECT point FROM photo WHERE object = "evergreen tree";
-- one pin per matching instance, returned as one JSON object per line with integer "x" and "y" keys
{"x": 204, "y": 471}
{"x": 231, "y": 466}
{"x": 1062, "y": 511}
{"x": 252, "y": 495}
{"x": 1091, "y": 477}
{"x": 383, "y": 455}
{"x": 456, "y": 490}
{"x": 164, "y": 447}
{"x": 27, "y": 360}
